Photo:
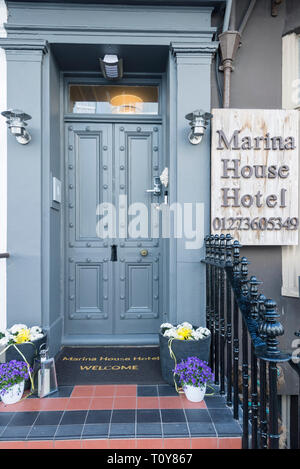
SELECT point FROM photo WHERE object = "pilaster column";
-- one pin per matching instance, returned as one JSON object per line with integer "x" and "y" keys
{"x": 24, "y": 182}
{"x": 193, "y": 89}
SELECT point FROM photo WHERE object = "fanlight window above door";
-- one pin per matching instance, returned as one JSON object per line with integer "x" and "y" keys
{"x": 113, "y": 99}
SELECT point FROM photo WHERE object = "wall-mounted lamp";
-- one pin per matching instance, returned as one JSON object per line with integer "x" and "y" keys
{"x": 198, "y": 121}
{"x": 16, "y": 121}
{"x": 111, "y": 67}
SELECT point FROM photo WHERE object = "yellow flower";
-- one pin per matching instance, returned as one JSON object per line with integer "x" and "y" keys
{"x": 23, "y": 336}
{"x": 184, "y": 333}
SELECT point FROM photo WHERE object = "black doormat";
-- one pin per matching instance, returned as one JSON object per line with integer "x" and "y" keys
{"x": 108, "y": 365}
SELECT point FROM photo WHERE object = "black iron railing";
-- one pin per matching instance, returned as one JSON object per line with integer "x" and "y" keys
{"x": 245, "y": 356}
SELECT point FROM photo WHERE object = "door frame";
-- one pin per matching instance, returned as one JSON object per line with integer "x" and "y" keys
{"x": 68, "y": 118}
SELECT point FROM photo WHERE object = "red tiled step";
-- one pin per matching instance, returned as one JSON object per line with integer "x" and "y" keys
{"x": 167, "y": 443}
{"x": 162, "y": 404}
{"x": 103, "y": 398}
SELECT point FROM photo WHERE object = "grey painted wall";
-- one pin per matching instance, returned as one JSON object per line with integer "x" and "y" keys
{"x": 24, "y": 165}
{"x": 55, "y": 170}
{"x": 292, "y": 17}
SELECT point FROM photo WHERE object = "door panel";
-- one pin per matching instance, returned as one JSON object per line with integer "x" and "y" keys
{"x": 137, "y": 154}
{"x": 89, "y": 273}
{"x": 113, "y": 164}
{"x": 88, "y": 183}
{"x": 137, "y": 276}
{"x": 89, "y": 294}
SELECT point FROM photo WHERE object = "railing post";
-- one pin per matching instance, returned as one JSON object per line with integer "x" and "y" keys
{"x": 217, "y": 310}
{"x": 222, "y": 313}
{"x": 263, "y": 423}
{"x": 236, "y": 342}
{"x": 271, "y": 328}
{"x": 229, "y": 320}
{"x": 245, "y": 366}
{"x": 207, "y": 276}
{"x": 254, "y": 313}
{"x": 212, "y": 301}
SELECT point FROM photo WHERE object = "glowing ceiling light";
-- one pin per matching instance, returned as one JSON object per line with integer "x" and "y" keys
{"x": 126, "y": 103}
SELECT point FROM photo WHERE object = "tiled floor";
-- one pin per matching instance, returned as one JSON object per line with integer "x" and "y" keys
{"x": 116, "y": 416}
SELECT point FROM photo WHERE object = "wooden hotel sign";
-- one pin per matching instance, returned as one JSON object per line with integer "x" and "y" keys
{"x": 254, "y": 175}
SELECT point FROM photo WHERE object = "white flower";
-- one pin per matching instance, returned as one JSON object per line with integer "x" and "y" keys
{"x": 16, "y": 328}
{"x": 34, "y": 337}
{"x": 203, "y": 331}
{"x": 186, "y": 325}
{"x": 196, "y": 334}
{"x": 35, "y": 330}
{"x": 166, "y": 325}
{"x": 5, "y": 339}
{"x": 171, "y": 333}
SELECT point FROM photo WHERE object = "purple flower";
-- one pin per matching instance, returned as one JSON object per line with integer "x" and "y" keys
{"x": 194, "y": 371}
{"x": 13, "y": 372}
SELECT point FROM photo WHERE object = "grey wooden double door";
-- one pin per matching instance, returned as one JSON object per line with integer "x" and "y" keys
{"x": 114, "y": 284}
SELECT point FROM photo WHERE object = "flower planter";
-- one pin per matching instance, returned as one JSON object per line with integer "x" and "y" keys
{"x": 182, "y": 349}
{"x": 194, "y": 393}
{"x": 29, "y": 350}
{"x": 13, "y": 394}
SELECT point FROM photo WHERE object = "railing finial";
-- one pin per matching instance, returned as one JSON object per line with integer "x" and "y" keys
{"x": 222, "y": 248}
{"x": 261, "y": 314}
{"x": 271, "y": 328}
{"x": 207, "y": 247}
{"x": 217, "y": 248}
{"x": 244, "y": 276}
{"x": 212, "y": 247}
{"x": 254, "y": 302}
{"x": 236, "y": 258}
{"x": 228, "y": 250}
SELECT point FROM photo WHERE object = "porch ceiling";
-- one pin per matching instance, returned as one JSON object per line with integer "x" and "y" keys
{"x": 85, "y": 57}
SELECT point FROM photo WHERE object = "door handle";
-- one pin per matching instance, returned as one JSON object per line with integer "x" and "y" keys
{"x": 114, "y": 254}
{"x": 157, "y": 187}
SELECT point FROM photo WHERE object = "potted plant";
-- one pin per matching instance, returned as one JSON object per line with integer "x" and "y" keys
{"x": 179, "y": 342}
{"x": 194, "y": 374}
{"x": 12, "y": 379}
{"x": 20, "y": 342}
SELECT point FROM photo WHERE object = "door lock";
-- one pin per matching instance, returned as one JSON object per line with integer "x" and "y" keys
{"x": 144, "y": 252}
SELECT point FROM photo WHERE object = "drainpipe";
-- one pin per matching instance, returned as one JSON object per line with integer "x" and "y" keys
{"x": 227, "y": 15}
{"x": 229, "y": 43}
